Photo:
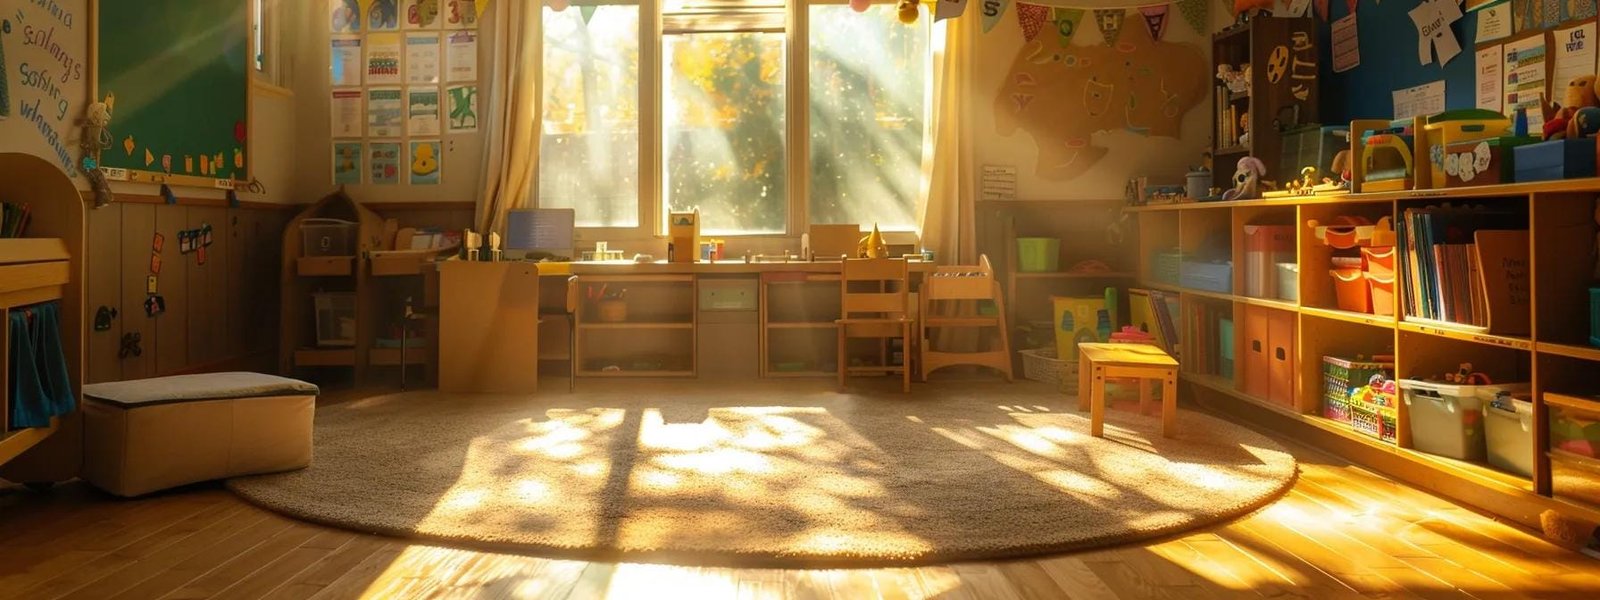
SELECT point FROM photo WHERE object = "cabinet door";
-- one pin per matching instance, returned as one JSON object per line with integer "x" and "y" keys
{"x": 1281, "y": 340}
{"x": 1257, "y": 346}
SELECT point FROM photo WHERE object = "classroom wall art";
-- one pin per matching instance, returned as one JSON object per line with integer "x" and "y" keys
{"x": 383, "y": 163}
{"x": 344, "y": 16}
{"x": 346, "y": 163}
{"x": 43, "y": 71}
{"x": 421, "y": 14}
{"x": 425, "y": 158}
{"x": 463, "y": 108}
{"x": 383, "y": 15}
{"x": 422, "y": 111}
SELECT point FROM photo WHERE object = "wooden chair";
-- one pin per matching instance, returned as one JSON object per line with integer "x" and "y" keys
{"x": 569, "y": 313}
{"x": 962, "y": 286}
{"x": 877, "y": 312}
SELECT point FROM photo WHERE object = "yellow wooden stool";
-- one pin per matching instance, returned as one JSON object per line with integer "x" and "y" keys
{"x": 1098, "y": 362}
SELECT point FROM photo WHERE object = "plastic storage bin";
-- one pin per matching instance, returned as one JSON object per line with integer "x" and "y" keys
{"x": 1447, "y": 419}
{"x": 1264, "y": 247}
{"x": 1341, "y": 377}
{"x": 1508, "y": 431}
{"x": 328, "y": 237}
{"x": 1351, "y": 290}
{"x": 1379, "y": 260}
{"x": 1207, "y": 276}
{"x": 1574, "y": 430}
{"x": 1554, "y": 160}
{"x": 1038, "y": 255}
{"x": 336, "y": 318}
{"x": 1381, "y": 289}
{"x": 1288, "y": 281}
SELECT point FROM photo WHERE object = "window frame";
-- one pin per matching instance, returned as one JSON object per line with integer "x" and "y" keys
{"x": 651, "y": 86}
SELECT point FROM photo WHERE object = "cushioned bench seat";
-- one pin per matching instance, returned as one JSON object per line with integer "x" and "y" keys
{"x": 147, "y": 435}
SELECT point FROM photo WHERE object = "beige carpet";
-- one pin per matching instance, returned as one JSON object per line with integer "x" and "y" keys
{"x": 770, "y": 474}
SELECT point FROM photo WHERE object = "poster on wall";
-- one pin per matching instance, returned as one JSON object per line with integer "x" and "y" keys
{"x": 1525, "y": 79}
{"x": 1490, "y": 81}
{"x": 344, "y": 61}
{"x": 463, "y": 56}
{"x": 383, "y": 15}
{"x": 1346, "y": 44}
{"x": 1494, "y": 22}
{"x": 344, "y": 16}
{"x": 345, "y": 113}
{"x": 383, "y": 59}
{"x": 422, "y": 58}
{"x": 1425, "y": 99}
{"x": 383, "y": 163}
{"x": 426, "y": 156}
{"x": 460, "y": 14}
{"x": 1574, "y": 53}
{"x": 385, "y": 112}
{"x": 346, "y": 163}
{"x": 463, "y": 108}
{"x": 422, "y": 111}
{"x": 420, "y": 14}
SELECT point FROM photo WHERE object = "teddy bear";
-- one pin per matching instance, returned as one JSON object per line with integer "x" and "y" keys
{"x": 1558, "y": 118}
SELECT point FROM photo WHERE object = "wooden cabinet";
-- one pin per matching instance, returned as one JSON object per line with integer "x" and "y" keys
{"x": 1282, "y": 93}
{"x": 636, "y": 325}
{"x": 489, "y": 327}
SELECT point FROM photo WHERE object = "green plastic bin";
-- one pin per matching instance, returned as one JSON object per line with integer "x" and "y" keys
{"x": 1038, "y": 255}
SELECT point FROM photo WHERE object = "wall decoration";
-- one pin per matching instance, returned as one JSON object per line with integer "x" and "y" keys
{"x": 345, "y": 112}
{"x": 344, "y": 16}
{"x": 1525, "y": 79}
{"x": 1434, "y": 34}
{"x": 463, "y": 108}
{"x": 1110, "y": 21}
{"x": 1062, "y": 97}
{"x": 383, "y": 163}
{"x": 1346, "y": 44}
{"x": 425, "y": 158}
{"x": 421, "y": 14}
{"x": 345, "y": 61}
{"x": 346, "y": 163}
{"x": 1065, "y": 21}
{"x": 1032, "y": 17}
{"x": 994, "y": 9}
{"x": 462, "y": 56}
{"x": 383, "y": 15}
{"x": 1574, "y": 10}
{"x": 5, "y": 88}
{"x": 422, "y": 111}
{"x": 1489, "y": 79}
{"x": 385, "y": 112}
{"x": 949, "y": 9}
{"x": 1155, "y": 20}
{"x": 461, "y": 14}
{"x": 422, "y": 58}
{"x": 1574, "y": 52}
{"x": 383, "y": 59}
{"x": 1197, "y": 13}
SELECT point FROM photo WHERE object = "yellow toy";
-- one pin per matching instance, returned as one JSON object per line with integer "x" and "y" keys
{"x": 872, "y": 246}
{"x": 424, "y": 163}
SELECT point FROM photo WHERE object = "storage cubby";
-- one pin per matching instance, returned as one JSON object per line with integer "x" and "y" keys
{"x": 1444, "y": 288}
{"x": 636, "y": 325}
{"x": 1158, "y": 248}
{"x": 1321, "y": 337}
{"x": 1319, "y": 287}
{"x": 1263, "y": 237}
{"x": 634, "y": 352}
{"x": 1205, "y": 239}
{"x": 1564, "y": 243}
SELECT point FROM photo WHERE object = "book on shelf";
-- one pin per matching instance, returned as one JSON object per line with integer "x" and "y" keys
{"x": 14, "y": 219}
{"x": 1466, "y": 266}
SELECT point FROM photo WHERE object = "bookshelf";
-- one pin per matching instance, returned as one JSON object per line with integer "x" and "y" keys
{"x": 1554, "y": 354}
{"x": 1282, "y": 93}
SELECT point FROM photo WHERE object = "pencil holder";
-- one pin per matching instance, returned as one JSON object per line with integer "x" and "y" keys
{"x": 613, "y": 310}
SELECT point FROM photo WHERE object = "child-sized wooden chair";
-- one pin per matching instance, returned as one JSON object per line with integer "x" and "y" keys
{"x": 872, "y": 302}
{"x": 955, "y": 293}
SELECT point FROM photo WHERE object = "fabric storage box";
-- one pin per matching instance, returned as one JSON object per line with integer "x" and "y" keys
{"x": 1264, "y": 247}
{"x": 1447, "y": 419}
{"x": 1482, "y": 162}
{"x": 1351, "y": 290}
{"x": 1207, "y": 276}
{"x": 147, "y": 435}
{"x": 1288, "y": 281}
{"x": 1508, "y": 434}
{"x": 1381, "y": 292}
{"x": 1038, "y": 255}
{"x": 1343, "y": 376}
{"x": 1554, "y": 160}
{"x": 1454, "y": 127}
{"x": 328, "y": 237}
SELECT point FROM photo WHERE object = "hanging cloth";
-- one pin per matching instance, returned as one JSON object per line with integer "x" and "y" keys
{"x": 40, "y": 386}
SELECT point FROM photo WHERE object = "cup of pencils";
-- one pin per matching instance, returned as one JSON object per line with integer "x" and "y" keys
{"x": 610, "y": 305}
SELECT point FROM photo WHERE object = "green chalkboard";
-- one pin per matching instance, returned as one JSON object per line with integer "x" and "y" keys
{"x": 179, "y": 70}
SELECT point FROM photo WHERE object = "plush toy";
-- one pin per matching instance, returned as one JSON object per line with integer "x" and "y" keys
{"x": 1558, "y": 118}
{"x": 1341, "y": 165}
{"x": 907, "y": 11}
{"x": 1244, "y": 126}
{"x": 96, "y": 138}
{"x": 1247, "y": 179}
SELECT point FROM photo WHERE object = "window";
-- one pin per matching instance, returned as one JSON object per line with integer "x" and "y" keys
{"x": 719, "y": 120}
{"x": 589, "y": 147}
{"x": 258, "y": 36}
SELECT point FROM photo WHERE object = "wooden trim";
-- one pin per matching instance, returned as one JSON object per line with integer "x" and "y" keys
{"x": 256, "y": 360}
{"x": 125, "y": 198}
{"x": 270, "y": 89}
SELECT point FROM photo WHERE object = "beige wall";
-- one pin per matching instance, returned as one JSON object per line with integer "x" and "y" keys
{"x": 270, "y": 139}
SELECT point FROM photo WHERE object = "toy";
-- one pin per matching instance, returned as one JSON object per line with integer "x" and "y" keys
{"x": 1559, "y": 122}
{"x": 1387, "y": 155}
{"x": 1247, "y": 179}
{"x": 1464, "y": 375}
{"x": 1341, "y": 165}
{"x": 872, "y": 245}
{"x": 96, "y": 138}
{"x": 1587, "y": 121}
{"x": 1235, "y": 80}
{"x": 907, "y": 11}
{"x": 1306, "y": 184}
{"x": 1244, "y": 126}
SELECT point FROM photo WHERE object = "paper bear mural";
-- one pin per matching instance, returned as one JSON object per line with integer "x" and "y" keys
{"x": 1063, "y": 95}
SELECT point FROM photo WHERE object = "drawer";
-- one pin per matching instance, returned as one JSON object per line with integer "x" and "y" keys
{"x": 727, "y": 294}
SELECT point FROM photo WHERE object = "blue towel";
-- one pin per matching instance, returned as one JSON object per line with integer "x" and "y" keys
{"x": 40, "y": 385}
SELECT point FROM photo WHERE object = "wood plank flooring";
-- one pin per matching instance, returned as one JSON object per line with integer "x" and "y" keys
{"x": 1341, "y": 532}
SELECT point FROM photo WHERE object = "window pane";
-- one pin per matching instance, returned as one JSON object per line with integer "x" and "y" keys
{"x": 589, "y": 150}
{"x": 868, "y": 78}
{"x": 723, "y": 114}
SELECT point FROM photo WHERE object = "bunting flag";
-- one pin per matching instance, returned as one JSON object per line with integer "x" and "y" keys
{"x": 992, "y": 11}
{"x": 1197, "y": 13}
{"x": 1066, "y": 22}
{"x": 587, "y": 12}
{"x": 1109, "y": 20}
{"x": 481, "y": 5}
{"x": 949, "y": 9}
{"x": 1032, "y": 18}
{"x": 1155, "y": 19}
{"x": 1322, "y": 9}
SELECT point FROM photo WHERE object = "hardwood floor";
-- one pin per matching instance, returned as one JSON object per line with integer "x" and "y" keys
{"x": 1342, "y": 532}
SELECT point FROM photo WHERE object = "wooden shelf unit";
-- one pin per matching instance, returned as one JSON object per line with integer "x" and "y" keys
{"x": 797, "y": 317}
{"x": 1554, "y": 357}
{"x": 659, "y": 328}
{"x": 1027, "y": 294}
{"x": 1268, "y": 100}
{"x": 304, "y": 275}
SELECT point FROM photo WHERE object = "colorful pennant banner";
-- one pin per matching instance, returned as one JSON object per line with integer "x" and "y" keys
{"x": 1155, "y": 19}
{"x": 1109, "y": 20}
{"x": 1066, "y": 23}
{"x": 992, "y": 11}
{"x": 1032, "y": 18}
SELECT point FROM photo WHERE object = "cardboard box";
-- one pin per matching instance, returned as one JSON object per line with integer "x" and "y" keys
{"x": 683, "y": 233}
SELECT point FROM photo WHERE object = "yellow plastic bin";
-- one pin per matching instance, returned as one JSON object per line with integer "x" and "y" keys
{"x": 1454, "y": 127}
{"x": 1077, "y": 320}
{"x": 1038, "y": 255}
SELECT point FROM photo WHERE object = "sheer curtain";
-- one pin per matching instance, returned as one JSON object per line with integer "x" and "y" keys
{"x": 511, "y": 140}
{"x": 946, "y": 215}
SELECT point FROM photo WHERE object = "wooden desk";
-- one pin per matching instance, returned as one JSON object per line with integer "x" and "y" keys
{"x": 488, "y": 327}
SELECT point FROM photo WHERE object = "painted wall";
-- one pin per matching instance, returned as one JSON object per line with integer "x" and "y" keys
{"x": 47, "y": 73}
{"x": 1388, "y": 52}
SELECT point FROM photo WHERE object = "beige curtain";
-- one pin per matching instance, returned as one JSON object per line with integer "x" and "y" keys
{"x": 947, "y": 213}
{"x": 511, "y": 141}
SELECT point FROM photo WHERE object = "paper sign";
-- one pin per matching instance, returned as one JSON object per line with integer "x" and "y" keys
{"x": 422, "y": 111}
{"x": 1434, "y": 35}
{"x": 344, "y": 61}
{"x": 383, "y": 15}
{"x": 421, "y": 14}
{"x": 425, "y": 162}
{"x": 463, "y": 56}
{"x": 383, "y": 163}
{"x": 385, "y": 112}
{"x": 345, "y": 109}
{"x": 999, "y": 183}
{"x": 383, "y": 58}
{"x": 1346, "y": 44}
{"x": 463, "y": 107}
{"x": 1490, "y": 80}
{"x": 422, "y": 58}
{"x": 346, "y": 163}
{"x": 1574, "y": 53}
{"x": 1425, "y": 99}
{"x": 344, "y": 16}
{"x": 1494, "y": 21}
{"x": 1525, "y": 79}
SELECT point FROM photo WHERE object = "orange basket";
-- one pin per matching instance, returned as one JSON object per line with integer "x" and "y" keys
{"x": 1351, "y": 289}
{"x": 1382, "y": 293}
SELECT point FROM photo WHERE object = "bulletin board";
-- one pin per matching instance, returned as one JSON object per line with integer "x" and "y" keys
{"x": 179, "y": 71}
{"x": 1389, "y": 62}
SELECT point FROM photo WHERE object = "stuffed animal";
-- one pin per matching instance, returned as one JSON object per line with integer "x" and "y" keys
{"x": 1247, "y": 179}
{"x": 1558, "y": 118}
{"x": 96, "y": 138}
{"x": 906, "y": 11}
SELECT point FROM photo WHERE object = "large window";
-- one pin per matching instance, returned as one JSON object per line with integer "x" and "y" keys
{"x": 719, "y": 116}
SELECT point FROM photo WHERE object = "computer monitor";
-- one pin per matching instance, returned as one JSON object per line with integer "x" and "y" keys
{"x": 539, "y": 233}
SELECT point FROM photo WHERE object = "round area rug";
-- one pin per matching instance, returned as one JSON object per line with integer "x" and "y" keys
{"x": 770, "y": 475}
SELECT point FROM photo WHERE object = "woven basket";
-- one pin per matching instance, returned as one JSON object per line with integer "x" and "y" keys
{"x": 1041, "y": 365}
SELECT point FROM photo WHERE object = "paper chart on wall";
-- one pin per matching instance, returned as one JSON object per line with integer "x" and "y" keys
{"x": 383, "y": 163}
{"x": 422, "y": 58}
{"x": 344, "y": 61}
{"x": 463, "y": 107}
{"x": 463, "y": 56}
{"x": 422, "y": 111}
{"x": 383, "y": 58}
{"x": 383, "y": 15}
{"x": 345, "y": 112}
{"x": 385, "y": 112}
{"x": 1494, "y": 22}
{"x": 1490, "y": 81}
{"x": 1346, "y": 44}
{"x": 420, "y": 14}
{"x": 1425, "y": 99}
{"x": 1574, "y": 53}
{"x": 346, "y": 163}
{"x": 1525, "y": 79}
{"x": 426, "y": 162}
